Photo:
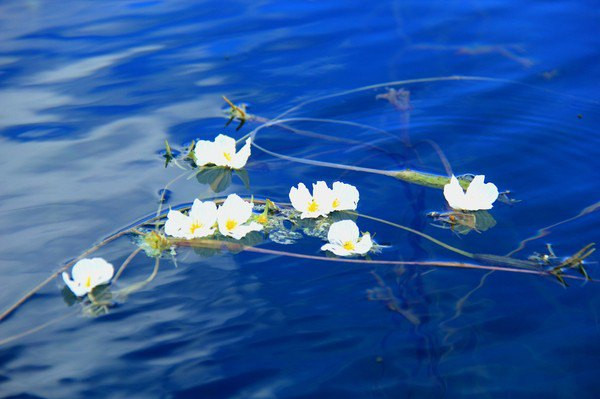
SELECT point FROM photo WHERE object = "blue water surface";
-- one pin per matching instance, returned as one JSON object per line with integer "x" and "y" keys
{"x": 90, "y": 90}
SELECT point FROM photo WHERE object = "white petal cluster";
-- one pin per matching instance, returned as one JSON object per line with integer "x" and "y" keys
{"x": 231, "y": 218}
{"x": 233, "y": 215}
{"x": 198, "y": 223}
{"x": 222, "y": 152}
{"x": 323, "y": 199}
{"x": 344, "y": 239}
{"x": 87, "y": 274}
{"x": 479, "y": 195}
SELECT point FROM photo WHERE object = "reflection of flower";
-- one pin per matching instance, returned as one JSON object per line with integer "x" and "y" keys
{"x": 221, "y": 152}
{"x": 323, "y": 199}
{"x": 345, "y": 197}
{"x": 479, "y": 195}
{"x": 199, "y": 223}
{"x": 344, "y": 239}
{"x": 232, "y": 216}
{"x": 87, "y": 274}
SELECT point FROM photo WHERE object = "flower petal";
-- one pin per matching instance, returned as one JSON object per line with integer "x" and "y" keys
{"x": 223, "y": 150}
{"x": 233, "y": 209}
{"x": 346, "y": 195}
{"x": 342, "y": 232}
{"x": 204, "y": 212}
{"x": 241, "y": 157}
{"x": 240, "y": 231}
{"x": 203, "y": 152}
{"x": 454, "y": 194}
{"x": 300, "y": 197}
{"x": 324, "y": 197}
{"x": 336, "y": 249}
{"x": 481, "y": 195}
{"x": 75, "y": 288}
{"x": 97, "y": 270}
{"x": 176, "y": 222}
{"x": 364, "y": 245}
{"x": 225, "y": 143}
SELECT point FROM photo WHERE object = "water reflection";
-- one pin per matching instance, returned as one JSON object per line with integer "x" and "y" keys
{"x": 90, "y": 93}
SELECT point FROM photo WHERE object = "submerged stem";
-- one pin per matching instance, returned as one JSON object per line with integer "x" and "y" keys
{"x": 208, "y": 243}
{"x": 125, "y": 263}
{"x": 426, "y": 80}
{"x": 41, "y": 285}
{"x": 426, "y": 236}
{"x": 407, "y": 175}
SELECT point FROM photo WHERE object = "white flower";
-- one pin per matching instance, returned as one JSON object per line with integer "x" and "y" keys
{"x": 479, "y": 196}
{"x": 232, "y": 216}
{"x": 315, "y": 205}
{"x": 199, "y": 223}
{"x": 87, "y": 274}
{"x": 221, "y": 152}
{"x": 344, "y": 239}
{"x": 345, "y": 197}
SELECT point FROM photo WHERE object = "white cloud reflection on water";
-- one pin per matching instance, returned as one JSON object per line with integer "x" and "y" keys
{"x": 88, "y": 66}
{"x": 59, "y": 196}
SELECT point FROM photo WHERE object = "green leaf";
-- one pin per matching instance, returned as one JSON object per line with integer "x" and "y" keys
{"x": 102, "y": 293}
{"x": 250, "y": 240}
{"x": 190, "y": 151}
{"x": 484, "y": 220}
{"x": 218, "y": 178}
{"x": 68, "y": 296}
{"x": 338, "y": 216}
{"x": 168, "y": 154}
{"x": 243, "y": 175}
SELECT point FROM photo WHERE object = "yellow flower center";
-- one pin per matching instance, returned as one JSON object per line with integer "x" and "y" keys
{"x": 348, "y": 246}
{"x": 336, "y": 203}
{"x": 230, "y": 224}
{"x": 195, "y": 226}
{"x": 227, "y": 156}
{"x": 88, "y": 282}
{"x": 313, "y": 206}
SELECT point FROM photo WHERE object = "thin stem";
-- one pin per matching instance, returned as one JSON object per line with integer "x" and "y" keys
{"x": 162, "y": 196}
{"x": 35, "y": 329}
{"x": 411, "y": 176}
{"x": 41, "y": 285}
{"x": 424, "y": 80}
{"x": 235, "y": 246}
{"x": 426, "y": 236}
{"x": 125, "y": 263}
{"x": 546, "y": 230}
{"x": 137, "y": 286}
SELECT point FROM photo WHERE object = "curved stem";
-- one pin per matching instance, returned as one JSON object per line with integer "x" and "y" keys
{"x": 35, "y": 329}
{"x": 546, "y": 230}
{"x": 41, "y": 285}
{"x": 426, "y": 236}
{"x": 162, "y": 197}
{"x": 235, "y": 246}
{"x": 138, "y": 286}
{"x": 408, "y": 175}
{"x": 125, "y": 263}
{"x": 425, "y": 80}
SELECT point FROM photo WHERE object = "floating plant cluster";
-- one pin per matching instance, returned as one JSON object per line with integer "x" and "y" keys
{"x": 235, "y": 217}
{"x": 326, "y": 212}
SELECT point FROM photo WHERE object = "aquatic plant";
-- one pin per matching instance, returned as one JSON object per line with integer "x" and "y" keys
{"x": 235, "y": 224}
{"x": 479, "y": 195}
{"x": 87, "y": 274}
{"x": 344, "y": 239}
{"x": 221, "y": 152}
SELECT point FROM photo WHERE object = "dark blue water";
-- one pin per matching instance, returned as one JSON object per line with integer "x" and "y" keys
{"x": 90, "y": 90}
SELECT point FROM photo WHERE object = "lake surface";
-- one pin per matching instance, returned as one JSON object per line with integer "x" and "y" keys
{"x": 89, "y": 91}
